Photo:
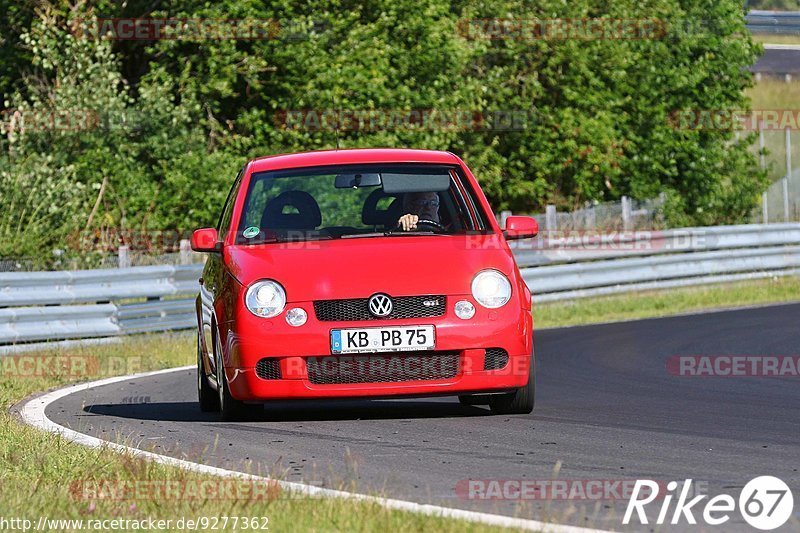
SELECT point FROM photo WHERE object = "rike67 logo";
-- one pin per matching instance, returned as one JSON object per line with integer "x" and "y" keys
{"x": 765, "y": 503}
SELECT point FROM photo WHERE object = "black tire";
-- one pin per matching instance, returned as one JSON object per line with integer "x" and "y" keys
{"x": 230, "y": 408}
{"x": 519, "y": 402}
{"x": 206, "y": 396}
{"x": 474, "y": 399}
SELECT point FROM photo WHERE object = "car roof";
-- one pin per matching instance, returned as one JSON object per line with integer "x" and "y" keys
{"x": 352, "y": 156}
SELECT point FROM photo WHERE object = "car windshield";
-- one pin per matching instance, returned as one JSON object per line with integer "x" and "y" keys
{"x": 350, "y": 201}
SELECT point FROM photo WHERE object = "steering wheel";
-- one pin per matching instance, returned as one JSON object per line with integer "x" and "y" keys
{"x": 431, "y": 223}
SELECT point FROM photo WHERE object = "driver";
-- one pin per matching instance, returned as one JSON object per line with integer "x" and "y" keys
{"x": 419, "y": 206}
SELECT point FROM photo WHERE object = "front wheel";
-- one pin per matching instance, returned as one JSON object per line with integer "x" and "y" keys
{"x": 230, "y": 408}
{"x": 519, "y": 402}
{"x": 207, "y": 397}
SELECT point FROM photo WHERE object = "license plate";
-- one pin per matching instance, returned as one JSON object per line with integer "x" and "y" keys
{"x": 395, "y": 339}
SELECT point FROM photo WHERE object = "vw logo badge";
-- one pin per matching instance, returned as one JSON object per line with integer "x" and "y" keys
{"x": 380, "y": 305}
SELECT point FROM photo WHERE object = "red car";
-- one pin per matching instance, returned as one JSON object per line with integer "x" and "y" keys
{"x": 362, "y": 273}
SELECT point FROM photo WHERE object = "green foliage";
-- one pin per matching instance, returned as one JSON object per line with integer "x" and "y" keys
{"x": 603, "y": 112}
{"x": 115, "y": 163}
{"x": 13, "y": 56}
{"x": 178, "y": 118}
{"x": 38, "y": 207}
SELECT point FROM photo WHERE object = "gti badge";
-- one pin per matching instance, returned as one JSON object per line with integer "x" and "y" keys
{"x": 380, "y": 305}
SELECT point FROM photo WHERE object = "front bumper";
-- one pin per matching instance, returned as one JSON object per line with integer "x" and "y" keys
{"x": 249, "y": 339}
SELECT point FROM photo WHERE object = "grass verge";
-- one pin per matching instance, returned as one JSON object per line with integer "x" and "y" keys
{"x": 776, "y": 39}
{"x": 666, "y": 302}
{"x": 42, "y": 475}
{"x": 777, "y": 95}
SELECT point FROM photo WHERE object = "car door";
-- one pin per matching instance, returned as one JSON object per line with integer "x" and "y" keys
{"x": 213, "y": 280}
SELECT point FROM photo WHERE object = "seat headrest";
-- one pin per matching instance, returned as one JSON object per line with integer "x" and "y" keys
{"x": 308, "y": 216}
{"x": 372, "y": 216}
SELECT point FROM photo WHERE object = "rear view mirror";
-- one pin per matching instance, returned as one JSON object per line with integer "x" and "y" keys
{"x": 521, "y": 228}
{"x": 402, "y": 183}
{"x": 206, "y": 240}
{"x": 356, "y": 180}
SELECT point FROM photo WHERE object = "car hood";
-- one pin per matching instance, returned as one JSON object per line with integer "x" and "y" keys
{"x": 358, "y": 268}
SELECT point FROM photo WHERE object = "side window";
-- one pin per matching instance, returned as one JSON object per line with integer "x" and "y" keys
{"x": 261, "y": 191}
{"x": 469, "y": 207}
{"x": 227, "y": 212}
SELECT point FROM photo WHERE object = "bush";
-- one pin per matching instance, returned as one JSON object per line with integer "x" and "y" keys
{"x": 178, "y": 118}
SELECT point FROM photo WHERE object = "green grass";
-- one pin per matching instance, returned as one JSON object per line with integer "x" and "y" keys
{"x": 776, "y": 39}
{"x": 779, "y": 5}
{"x": 39, "y": 471}
{"x": 775, "y": 94}
{"x": 666, "y": 302}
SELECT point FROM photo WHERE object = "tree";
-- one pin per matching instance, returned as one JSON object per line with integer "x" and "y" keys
{"x": 541, "y": 118}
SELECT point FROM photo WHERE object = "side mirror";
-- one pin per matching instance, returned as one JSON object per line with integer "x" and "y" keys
{"x": 520, "y": 228}
{"x": 206, "y": 240}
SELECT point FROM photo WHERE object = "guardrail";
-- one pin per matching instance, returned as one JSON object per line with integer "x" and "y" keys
{"x": 563, "y": 266}
{"x": 774, "y": 22}
{"x": 573, "y": 246}
{"x": 48, "y": 306}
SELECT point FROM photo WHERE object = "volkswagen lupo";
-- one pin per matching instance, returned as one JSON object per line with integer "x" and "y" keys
{"x": 362, "y": 274}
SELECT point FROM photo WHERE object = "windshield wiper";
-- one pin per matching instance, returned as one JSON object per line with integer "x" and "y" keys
{"x": 317, "y": 238}
{"x": 273, "y": 240}
{"x": 359, "y": 235}
{"x": 398, "y": 233}
{"x": 390, "y": 233}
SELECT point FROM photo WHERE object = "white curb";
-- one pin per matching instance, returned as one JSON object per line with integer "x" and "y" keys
{"x": 33, "y": 413}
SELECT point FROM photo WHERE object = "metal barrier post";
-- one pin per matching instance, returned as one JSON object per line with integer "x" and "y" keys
{"x": 626, "y": 213}
{"x": 591, "y": 218}
{"x": 504, "y": 218}
{"x": 551, "y": 218}
{"x": 124, "y": 260}
{"x": 186, "y": 252}
{"x": 763, "y": 158}
{"x": 788, "y": 175}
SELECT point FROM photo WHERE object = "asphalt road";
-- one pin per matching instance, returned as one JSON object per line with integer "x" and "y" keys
{"x": 607, "y": 409}
{"x": 778, "y": 62}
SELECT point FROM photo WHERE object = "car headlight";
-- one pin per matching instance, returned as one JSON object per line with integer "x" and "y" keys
{"x": 491, "y": 289}
{"x": 265, "y": 298}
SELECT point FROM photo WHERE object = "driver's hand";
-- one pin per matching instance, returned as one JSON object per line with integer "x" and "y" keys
{"x": 408, "y": 222}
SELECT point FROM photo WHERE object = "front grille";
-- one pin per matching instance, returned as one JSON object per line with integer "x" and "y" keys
{"x": 358, "y": 308}
{"x": 496, "y": 358}
{"x": 382, "y": 368}
{"x": 268, "y": 368}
